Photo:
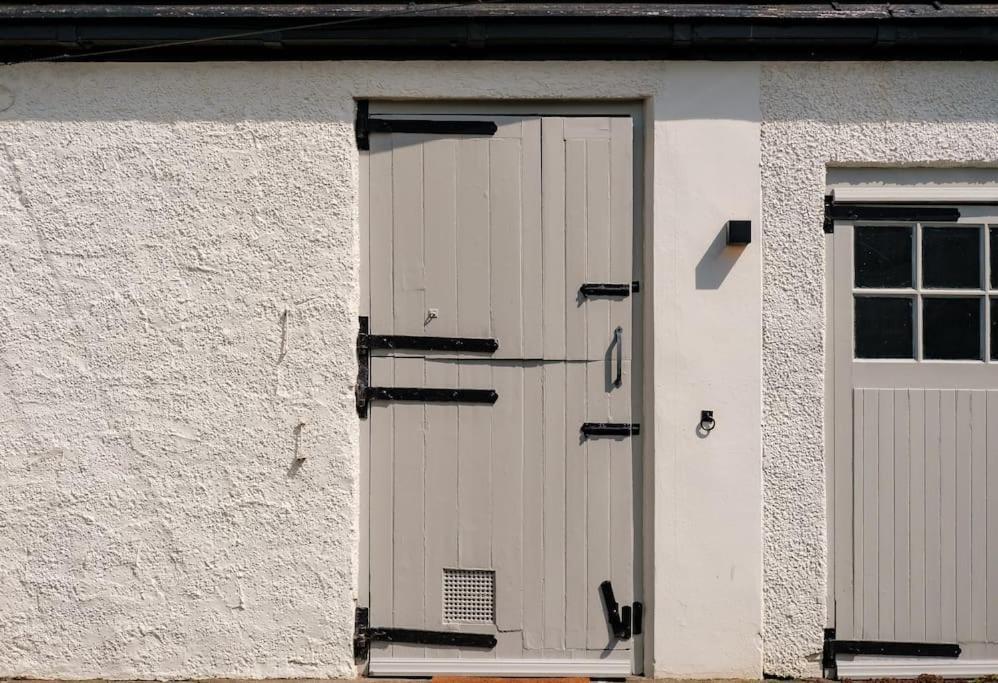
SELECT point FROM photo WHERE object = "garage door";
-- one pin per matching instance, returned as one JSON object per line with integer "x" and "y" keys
{"x": 914, "y": 432}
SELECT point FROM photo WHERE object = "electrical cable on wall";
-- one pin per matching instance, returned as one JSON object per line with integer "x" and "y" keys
{"x": 414, "y": 11}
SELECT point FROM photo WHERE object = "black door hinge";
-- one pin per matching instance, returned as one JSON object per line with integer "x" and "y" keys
{"x": 366, "y": 393}
{"x": 365, "y": 125}
{"x": 894, "y": 648}
{"x": 365, "y": 634}
{"x": 618, "y": 617}
{"x": 834, "y": 647}
{"x": 884, "y": 211}
{"x": 430, "y": 395}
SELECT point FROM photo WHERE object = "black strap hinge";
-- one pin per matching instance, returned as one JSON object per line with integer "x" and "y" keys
{"x": 365, "y": 125}
{"x": 834, "y": 647}
{"x": 416, "y": 343}
{"x": 365, "y": 634}
{"x": 885, "y": 211}
{"x": 891, "y": 648}
{"x": 366, "y": 341}
{"x": 431, "y": 395}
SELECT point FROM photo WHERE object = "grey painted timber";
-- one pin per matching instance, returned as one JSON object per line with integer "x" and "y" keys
{"x": 492, "y": 236}
{"x": 914, "y": 472}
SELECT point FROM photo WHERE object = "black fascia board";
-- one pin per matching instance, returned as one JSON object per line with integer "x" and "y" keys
{"x": 193, "y": 34}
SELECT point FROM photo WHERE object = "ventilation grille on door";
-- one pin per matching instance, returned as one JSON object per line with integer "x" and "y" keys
{"x": 469, "y": 596}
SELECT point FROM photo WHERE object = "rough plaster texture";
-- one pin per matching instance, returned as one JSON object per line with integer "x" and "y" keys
{"x": 181, "y": 244}
{"x": 177, "y": 298}
{"x": 814, "y": 116}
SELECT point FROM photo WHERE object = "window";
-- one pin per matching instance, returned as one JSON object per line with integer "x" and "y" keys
{"x": 926, "y": 292}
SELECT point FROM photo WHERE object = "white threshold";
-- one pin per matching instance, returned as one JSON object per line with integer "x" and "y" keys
{"x": 422, "y": 666}
{"x": 874, "y": 666}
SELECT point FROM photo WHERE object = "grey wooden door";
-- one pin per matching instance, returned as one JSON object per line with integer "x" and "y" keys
{"x": 914, "y": 433}
{"x": 503, "y": 518}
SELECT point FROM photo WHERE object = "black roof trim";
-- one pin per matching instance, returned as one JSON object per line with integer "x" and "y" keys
{"x": 499, "y": 30}
{"x": 765, "y": 11}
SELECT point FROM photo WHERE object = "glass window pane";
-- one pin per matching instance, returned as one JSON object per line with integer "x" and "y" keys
{"x": 994, "y": 329}
{"x": 884, "y": 327}
{"x": 994, "y": 257}
{"x": 951, "y": 257}
{"x": 952, "y": 328}
{"x": 883, "y": 257}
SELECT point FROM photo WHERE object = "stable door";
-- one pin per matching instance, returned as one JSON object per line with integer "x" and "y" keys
{"x": 498, "y": 392}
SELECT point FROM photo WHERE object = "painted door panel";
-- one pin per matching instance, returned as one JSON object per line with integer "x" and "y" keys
{"x": 493, "y": 237}
{"x": 480, "y": 462}
{"x": 474, "y": 237}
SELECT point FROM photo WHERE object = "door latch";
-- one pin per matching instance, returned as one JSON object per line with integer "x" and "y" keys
{"x": 618, "y": 617}
{"x": 593, "y": 429}
{"x": 611, "y": 289}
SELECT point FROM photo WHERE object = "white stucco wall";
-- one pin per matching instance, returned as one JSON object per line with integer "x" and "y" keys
{"x": 177, "y": 296}
{"x": 160, "y": 219}
{"x": 819, "y": 115}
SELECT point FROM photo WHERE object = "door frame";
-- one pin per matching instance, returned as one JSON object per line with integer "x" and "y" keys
{"x": 641, "y": 350}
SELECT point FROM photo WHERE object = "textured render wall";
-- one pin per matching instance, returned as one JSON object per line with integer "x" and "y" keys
{"x": 157, "y": 222}
{"x": 815, "y": 115}
{"x": 178, "y": 294}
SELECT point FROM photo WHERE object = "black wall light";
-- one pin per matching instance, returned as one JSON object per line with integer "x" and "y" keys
{"x": 739, "y": 232}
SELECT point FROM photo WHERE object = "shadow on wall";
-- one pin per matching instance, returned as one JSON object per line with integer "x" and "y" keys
{"x": 715, "y": 264}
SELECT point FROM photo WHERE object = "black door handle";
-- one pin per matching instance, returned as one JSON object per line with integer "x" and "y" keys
{"x": 618, "y": 341}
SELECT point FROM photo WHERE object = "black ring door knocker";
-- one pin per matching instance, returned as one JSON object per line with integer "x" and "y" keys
{"x": 707, "y": 422}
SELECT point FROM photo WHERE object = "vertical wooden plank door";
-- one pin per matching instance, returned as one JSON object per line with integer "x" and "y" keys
{"x": 914, "y": 466}
{"x": 504, "y": 518}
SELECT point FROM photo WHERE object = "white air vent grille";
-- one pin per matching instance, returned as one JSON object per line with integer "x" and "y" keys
{"x": 469, "y": 596}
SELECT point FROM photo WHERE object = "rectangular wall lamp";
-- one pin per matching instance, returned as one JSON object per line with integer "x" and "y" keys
{"x": 739, "y": 232}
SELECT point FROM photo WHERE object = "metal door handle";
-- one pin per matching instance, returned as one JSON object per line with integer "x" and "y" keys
{"x": 618, "y": 341}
